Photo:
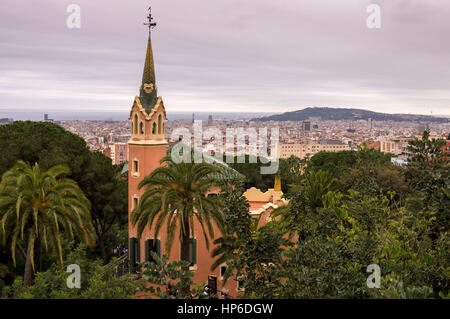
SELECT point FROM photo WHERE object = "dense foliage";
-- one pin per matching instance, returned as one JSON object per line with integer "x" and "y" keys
{"x": 44, "y": 143}
{"x": 290, "y": 170}
{"x": 96, "y": 282}
{"x": 171, "y": 280}
{"x": 108, "y": 194}
{"x": 50, "y": 145}
{"x": 38, "y": 207}
{"x": 348, "y": 210}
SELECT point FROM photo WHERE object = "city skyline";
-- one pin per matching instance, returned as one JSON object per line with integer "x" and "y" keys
{"x": 210, "y": 57}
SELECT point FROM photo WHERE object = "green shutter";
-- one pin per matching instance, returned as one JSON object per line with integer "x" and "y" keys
{"x": 131, "y": 252}
{"x": 147, "y": 250}
{"x": 158, "y": 247}
{"x": 194, "y": 251}
{"x": 138, "y": 251}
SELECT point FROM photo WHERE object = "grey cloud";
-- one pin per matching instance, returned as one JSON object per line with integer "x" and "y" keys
{"x": 251, "y": 55}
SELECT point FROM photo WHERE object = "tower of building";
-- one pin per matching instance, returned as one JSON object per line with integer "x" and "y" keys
{"x": 146, "y": 148}
{"x": 210, "y": 120}
{"x": 147, "y": 145}
{"x": 306, "y": 125}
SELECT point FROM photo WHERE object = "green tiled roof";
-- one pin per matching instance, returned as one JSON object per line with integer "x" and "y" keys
{"x": 227, "y": 172}
{"x": 148, "y": 98}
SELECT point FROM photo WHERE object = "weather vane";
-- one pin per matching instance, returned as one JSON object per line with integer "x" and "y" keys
{"x": 150, "y": 24}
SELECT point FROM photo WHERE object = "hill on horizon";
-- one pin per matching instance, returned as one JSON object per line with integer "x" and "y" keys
{"x": 330, "y": 113}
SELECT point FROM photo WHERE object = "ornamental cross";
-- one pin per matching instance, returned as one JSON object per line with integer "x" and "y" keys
{"x": 150, "y": 24}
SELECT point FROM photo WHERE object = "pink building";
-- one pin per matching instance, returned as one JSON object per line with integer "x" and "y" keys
{"x": 119, "y": 153}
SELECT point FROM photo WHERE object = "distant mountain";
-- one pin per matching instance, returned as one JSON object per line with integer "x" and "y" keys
{"x": 329, "y": 113}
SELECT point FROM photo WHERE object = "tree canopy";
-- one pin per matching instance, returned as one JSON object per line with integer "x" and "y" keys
{"x": 44, "y": 143}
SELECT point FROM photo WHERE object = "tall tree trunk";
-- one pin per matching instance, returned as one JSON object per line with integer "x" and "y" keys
{"x": 101, "y": 244}
{"x": 38, "y": 254}
{"x": 185, "y": 254}
{"x": 29, "y": 273}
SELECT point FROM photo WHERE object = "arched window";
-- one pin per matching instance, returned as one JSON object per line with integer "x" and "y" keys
{"x": 159, "y": 124}
{"x": 154, "y": 128}
{"x": 135, "y": 124}
{"x": 141, "y": 127}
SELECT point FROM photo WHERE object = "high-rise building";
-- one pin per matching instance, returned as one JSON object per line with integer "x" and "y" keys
{"x": 369, "y": 123}
{"x": 396, "y": 146}
{"x": 110, "y": 138}
{"x": 46, "y": 119}
{"x": 306, "y": 126}
{"x": 118, "y": 152}
{"x": 210, "y": 120}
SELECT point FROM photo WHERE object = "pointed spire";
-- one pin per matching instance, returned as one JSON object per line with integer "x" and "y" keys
{"x": 277, "y": 184}
{"x": 148, "y": 92}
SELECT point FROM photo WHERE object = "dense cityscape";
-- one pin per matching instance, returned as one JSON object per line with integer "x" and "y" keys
{"x": 301, "y": 139}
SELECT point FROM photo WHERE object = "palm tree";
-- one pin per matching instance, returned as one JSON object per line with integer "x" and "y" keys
{"x": 176, "y": 195}
{"x": 316, "y": 185}
{"x": 41, "y": 205}
{"x": 311, "y": 194}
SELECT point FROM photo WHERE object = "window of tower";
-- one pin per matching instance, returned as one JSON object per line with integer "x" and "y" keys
{"x": 135, "y": 124}
{"x": 141, "y": 128}
{"x": 154, "y": 128}
{"x": 159, "y": 124}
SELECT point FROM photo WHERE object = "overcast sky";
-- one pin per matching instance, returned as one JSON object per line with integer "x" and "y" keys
{"x": 228, "y": 55}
